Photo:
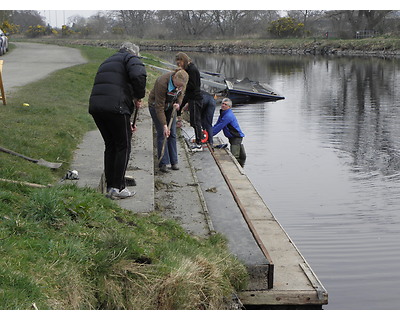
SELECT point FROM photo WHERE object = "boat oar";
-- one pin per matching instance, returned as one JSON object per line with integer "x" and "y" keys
{"x": 41, "y": 162}
{"x": 165, "y": 138}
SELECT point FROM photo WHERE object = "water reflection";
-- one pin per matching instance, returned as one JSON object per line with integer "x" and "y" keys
{"x": 359, "y": 110}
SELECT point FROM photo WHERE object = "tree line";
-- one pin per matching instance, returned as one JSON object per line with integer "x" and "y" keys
{"x": 206, "y": 24}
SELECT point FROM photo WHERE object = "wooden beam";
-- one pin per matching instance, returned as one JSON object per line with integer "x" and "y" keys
{"x": 2, "y": 92}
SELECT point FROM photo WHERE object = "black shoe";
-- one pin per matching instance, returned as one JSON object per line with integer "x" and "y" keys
{"x": 174, "y": 167}
{"x": 163, "y": 168}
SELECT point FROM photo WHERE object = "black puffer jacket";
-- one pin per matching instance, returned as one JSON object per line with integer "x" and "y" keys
{"x": 119, "y": 79}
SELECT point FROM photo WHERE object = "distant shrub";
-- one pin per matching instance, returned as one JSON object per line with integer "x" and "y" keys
{"x": 10, "y": 28}
{"x": 286, "y": 27}
{"x": 66, "y": 31}
{"x": 36, "y": 31}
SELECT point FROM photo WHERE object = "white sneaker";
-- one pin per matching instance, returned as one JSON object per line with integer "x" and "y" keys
{"x": 196, "y": 147}
{"x": 114, "y": 193}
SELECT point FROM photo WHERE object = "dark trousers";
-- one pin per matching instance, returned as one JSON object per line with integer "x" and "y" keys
{"x": 207, "y": 115}
{"x": 116, "y": 132}
{"x": 237, "y": 150}
{"x": 195, "y": 118}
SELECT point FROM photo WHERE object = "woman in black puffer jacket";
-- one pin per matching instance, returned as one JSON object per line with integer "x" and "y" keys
{"x": 119, "y": 86}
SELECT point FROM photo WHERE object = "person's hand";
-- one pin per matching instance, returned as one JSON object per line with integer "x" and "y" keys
{"x": 166, "y": 131}
{"x": 138, "y": 103}
{"x": 133, "y": 127}
{"x": 176, "y": 106}
{"x": 185, "y": 107}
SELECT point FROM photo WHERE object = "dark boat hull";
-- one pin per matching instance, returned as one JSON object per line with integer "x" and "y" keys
{"x": 246, "y": 91}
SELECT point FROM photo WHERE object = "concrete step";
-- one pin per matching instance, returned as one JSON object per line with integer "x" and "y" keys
{"x": 141, "y": 166}
{"x": 89, "y": 162}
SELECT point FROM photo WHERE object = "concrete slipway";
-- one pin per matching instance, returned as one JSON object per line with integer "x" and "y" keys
{"x": 211, "y": 193}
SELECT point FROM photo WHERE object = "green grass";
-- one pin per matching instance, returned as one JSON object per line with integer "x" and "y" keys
{"x": 64, "y": 247}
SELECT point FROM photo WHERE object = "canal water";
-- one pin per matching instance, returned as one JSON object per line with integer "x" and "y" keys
{"x": 326, "y": 161}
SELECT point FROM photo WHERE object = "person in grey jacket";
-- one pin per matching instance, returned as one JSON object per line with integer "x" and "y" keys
{"x": 119, "y": 86}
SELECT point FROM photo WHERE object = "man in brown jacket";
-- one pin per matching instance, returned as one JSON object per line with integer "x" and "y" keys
{"x": 164, "y": 100}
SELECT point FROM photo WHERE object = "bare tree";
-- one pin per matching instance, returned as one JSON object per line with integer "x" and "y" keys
{"x": 98, "y": 23}
{"x": 5, "y": 15}
{"x": 26, "y": 18}
{"x": 374, "y": 17}
{"x": 193, "y": 22}
{"x": 358, "y": 19}
{"x": 76, "y": 20}
{"x": 227, "y": 21}
{"x": 305, "y": 16}
{"x": 134, "y": 21}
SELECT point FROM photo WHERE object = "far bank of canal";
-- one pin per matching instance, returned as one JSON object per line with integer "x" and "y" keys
{"x": 380, "y": 47}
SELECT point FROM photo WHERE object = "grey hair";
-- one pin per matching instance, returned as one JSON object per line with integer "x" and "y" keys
{"x": 227, "y": 101}
{"x": 131, "y": 47}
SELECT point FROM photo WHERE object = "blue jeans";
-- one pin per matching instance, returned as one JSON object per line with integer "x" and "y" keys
{"x": 171, "y": 151}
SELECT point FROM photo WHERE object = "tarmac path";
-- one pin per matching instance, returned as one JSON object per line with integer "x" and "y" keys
{"x": 30, "y": 62}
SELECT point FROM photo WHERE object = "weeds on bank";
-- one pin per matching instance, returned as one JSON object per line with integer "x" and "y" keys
{"x": 71, "y": 248}
{"x": 65, "y": 247}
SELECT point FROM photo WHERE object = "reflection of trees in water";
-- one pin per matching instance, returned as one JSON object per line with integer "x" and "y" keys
{"x": 361, "y": 108}
{"x": 256, "y": 67}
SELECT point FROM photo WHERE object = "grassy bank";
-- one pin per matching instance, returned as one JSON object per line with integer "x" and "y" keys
{"x": 65, "y": 247}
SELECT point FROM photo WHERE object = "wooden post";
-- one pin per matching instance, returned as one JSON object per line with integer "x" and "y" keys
{"x": 3, "y": 94}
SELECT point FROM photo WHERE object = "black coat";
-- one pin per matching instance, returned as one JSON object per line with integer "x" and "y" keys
{"x": 119, "y": 79}
{"x": 194, "y": 83}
